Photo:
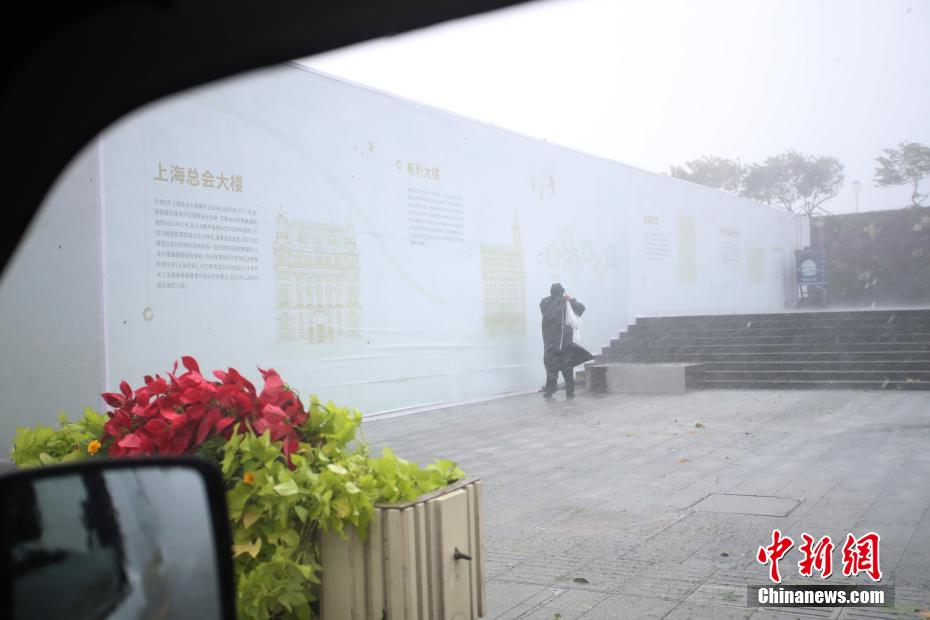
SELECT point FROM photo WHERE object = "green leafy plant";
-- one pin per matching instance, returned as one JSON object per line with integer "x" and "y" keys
{"x": 277, "y": 512}
{"x": 71, "y": 441}
{"x": 282, "y": 495}
{"x": 401, "y": 481}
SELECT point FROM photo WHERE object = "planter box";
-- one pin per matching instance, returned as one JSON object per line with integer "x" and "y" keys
{"x": 636, "y": 378}
{"x": 421, "y": 560}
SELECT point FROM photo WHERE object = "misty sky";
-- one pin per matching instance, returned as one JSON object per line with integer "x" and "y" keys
{"x": 655, "y": 83}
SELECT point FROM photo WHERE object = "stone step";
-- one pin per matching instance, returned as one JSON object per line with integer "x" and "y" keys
{"x": 922, "y": 326}
{"x": 886, "y": 349}
{"x": 809, "y": 385}
{"x": 898, "y": 376}
{"x": 659, "y": 348}
{"x": 865, "y": 314}
{"x": 799, "y": 318}
{"x": 786, "y": 329}
{"x": 816, "y": 356}
{"x": 679, "y": 338}
{"x": 870, "y": 365}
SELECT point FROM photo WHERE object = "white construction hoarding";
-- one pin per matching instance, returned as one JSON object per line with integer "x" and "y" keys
{"x": 374, "y": 251}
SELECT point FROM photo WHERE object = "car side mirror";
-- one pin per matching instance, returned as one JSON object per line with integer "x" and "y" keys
{"x": 116, "y": 539}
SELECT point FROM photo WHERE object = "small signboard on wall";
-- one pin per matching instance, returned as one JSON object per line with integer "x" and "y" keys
{"x": 810, "y": 267}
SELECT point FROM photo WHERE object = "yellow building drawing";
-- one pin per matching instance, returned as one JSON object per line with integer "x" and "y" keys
{"x": 504, "y": 286}
{"x": 316, "y": 281}
{"x": 755, "y": 260}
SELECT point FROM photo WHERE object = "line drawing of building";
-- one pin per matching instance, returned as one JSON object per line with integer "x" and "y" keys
{"x": 316, "y": 267}
{"x": 569, "y": 258}
{"x": 504, "y": 281}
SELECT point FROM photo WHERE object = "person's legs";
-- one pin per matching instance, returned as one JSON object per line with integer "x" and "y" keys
{"x": 569, "y": 375}
{"x": 552, "y": 374}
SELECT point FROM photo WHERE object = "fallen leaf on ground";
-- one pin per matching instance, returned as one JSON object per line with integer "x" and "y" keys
{"x": 580, "y": 580}
{"x": 682, "y": 459}
{"x": 698, "y": 425}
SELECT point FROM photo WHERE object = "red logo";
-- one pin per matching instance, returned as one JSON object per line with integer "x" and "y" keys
{"x": 774, "y": 552}
{"x": 817, "y": 557}
{"x": 861, "y": 556}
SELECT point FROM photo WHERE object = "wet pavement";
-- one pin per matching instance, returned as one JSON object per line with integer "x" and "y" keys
{"x": 633, "y": 506}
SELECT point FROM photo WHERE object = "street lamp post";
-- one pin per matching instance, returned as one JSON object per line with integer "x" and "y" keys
{"x": 856, "y": 186}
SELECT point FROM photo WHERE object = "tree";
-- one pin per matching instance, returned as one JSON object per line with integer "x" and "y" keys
{"x": 718, "y": 172}
{"x": 906, "y": 165}
{"x": 794, "y": 181}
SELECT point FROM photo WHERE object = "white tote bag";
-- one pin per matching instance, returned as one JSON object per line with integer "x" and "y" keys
{"x": 572, "y": 320}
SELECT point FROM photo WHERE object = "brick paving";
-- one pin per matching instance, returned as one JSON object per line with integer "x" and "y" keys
{"x": 590, "y": 504}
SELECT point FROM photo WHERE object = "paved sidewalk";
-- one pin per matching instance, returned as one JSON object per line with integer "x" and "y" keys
{"x": 590, "y": 505}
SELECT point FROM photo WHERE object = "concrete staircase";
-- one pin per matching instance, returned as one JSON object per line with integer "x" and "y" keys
{"x": 871, "y": 349}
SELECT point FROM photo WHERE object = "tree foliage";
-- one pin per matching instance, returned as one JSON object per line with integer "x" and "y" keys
{"x": 793, "y": 181}
{"x": 906, "y": 165}
{"x": 718, "y": 172}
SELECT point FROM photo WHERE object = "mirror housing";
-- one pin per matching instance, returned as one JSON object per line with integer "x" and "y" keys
{"x": 128, "y": 538}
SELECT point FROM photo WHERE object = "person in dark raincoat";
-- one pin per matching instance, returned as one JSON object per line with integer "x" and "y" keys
{"x": 560, "y": 354}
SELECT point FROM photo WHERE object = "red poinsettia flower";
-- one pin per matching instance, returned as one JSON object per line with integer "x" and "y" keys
{"x": 177, "y": 415}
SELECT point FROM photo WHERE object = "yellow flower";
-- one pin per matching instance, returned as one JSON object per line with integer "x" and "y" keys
{"x": 93, "y": 447}
{"x": 248, "y": 478}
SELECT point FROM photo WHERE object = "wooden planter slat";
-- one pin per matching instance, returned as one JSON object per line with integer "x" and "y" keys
{"x": 406, "y": 569}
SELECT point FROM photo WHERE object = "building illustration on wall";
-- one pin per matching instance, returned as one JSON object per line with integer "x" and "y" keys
{"x": 504, "y": 281}
{"x": 316, "y": 281}
{"x": 568, "y": 257}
